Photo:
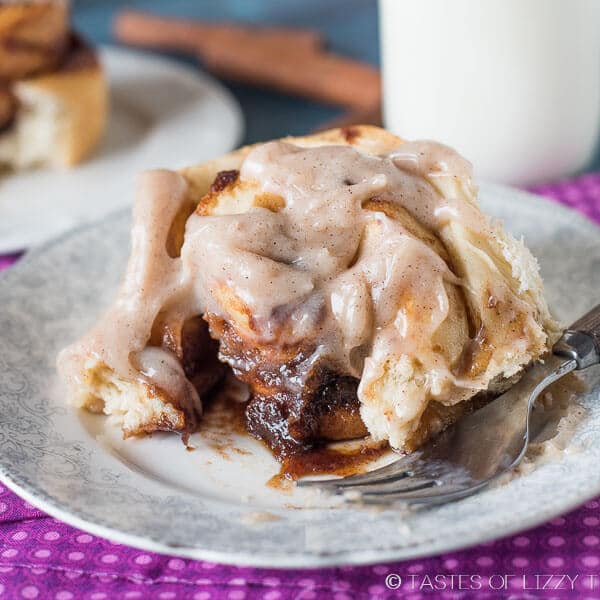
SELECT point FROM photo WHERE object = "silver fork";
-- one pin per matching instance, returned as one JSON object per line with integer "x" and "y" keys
{"x": 482, "y": 445}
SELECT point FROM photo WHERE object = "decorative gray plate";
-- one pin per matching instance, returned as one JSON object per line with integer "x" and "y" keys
{"x": 213, "y": 503}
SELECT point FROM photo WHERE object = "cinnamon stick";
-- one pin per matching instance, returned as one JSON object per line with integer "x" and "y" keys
{"x": 143, "y": 29}
{"x": 292, "y": 61}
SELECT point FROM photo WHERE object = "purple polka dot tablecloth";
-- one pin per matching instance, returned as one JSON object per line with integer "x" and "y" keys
{"x": 43, "y": 558}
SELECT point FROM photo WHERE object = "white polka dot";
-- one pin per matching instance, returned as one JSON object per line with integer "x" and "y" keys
{"x": 43, "y": 553}
{"x": 556, "y": 540}
{"x": 590, "y": 561}
{"x": 142, "y": 559}
{"x": 272, "y": 595}
{"x": 167, "y": 595}
{"x": 30, "y": 591}
{"x": 5, "y": 569}
{"x": 271, "y": 581}
{"x": 29, "y": 506}
{"x": 109, "y": 558}
{"x": 1, "y": 589}
{"x": 521, "y": 541}
{"x": 84, "y": 538}
{"x": 39, "y": 570}
{"x": 208, "y": 565}
{"x": 237, "y": 581}
{"x": 3, "y": 507}
{"x": 451, "y": 563}
{"x": 203, "y": 581}
{"x": 19, "y": 536}
{"x": 9, "y": 553}
{"x": 202, "y": 596}
{"x": 76, "y": 556}
{"x": 176, "y": 564}
{"x": 236, "y": 595}
{"x": 51, "y": 536}
{"x": 556, "y": 561}
{"x": 133, "y": 595}
{"x": 520, "y": 561}
{"x": 591, "y": 521}
{"x": 98, "y": 596}
{"x": 590, "y": 540}
{"x": 514, "y": 582}
{"x": 306, "y": 582}
{"x": 64, "y": 595}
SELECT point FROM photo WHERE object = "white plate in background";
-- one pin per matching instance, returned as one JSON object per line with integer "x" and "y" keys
{"x": 162, "y": 114}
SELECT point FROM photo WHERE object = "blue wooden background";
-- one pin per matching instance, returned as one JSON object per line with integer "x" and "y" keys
{"x": 350, "y": 27}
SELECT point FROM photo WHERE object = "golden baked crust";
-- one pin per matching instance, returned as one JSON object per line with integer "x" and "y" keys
{"x": 53, "y": 92}
{"x": 79, "y": 91}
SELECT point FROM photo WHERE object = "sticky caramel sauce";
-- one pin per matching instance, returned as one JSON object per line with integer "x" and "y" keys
{"x": 224, "y": 419}
{"x": 333, "y": 459}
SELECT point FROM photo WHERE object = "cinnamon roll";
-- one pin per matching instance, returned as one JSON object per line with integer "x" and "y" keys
{"x": 348, "y": 277}
{"x": 53, "y": 96}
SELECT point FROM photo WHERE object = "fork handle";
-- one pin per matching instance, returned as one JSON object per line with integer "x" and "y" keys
{"x": 581, "y": 341}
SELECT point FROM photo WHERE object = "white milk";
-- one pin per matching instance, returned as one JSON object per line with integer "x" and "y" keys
{"x": 514, "y": 85}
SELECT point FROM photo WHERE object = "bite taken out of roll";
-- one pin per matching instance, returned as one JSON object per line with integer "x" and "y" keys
{"x": 348, "y": 277}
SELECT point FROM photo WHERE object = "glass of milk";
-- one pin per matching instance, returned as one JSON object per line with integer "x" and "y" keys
{"x": 514, "y": 85}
